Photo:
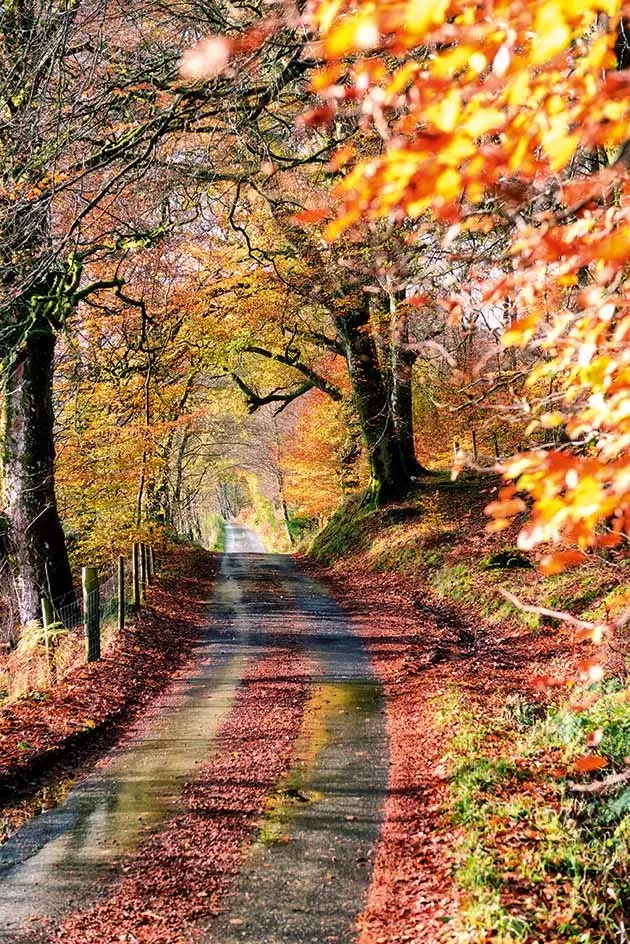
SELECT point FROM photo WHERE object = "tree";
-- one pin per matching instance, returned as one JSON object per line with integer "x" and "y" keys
{"x": 515, "y": 114}
{"x": 91, "y": 108}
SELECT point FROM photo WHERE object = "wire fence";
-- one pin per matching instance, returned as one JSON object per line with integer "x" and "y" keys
{"x": 76, "y": 626}
{"x": 69, "y": 610}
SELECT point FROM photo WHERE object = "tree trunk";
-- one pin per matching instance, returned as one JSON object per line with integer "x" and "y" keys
{"x": 402, "y": 409}
{"x": 389, "y": 475}
{"x": 401, "y": 361}
{"x": 37, "y": 546}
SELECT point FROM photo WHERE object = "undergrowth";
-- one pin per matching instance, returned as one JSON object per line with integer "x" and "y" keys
{"x": 438, "y": 536}
{"x": 534, "y": 861}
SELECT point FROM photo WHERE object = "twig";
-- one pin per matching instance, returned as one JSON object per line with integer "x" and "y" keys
{"x": 600, "y": 786}
{"x": 545, "y": 611}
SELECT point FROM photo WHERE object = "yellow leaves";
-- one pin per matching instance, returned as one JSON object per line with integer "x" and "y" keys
{"x": 448, "y": 63}
{"x": 444, "y": 115}
{"x": 449, "y": 184}
{"x": 352, "y": 33}
{"x": 560, "y": 146}
{"x": 483, "y": 121}
{"x": 402, "y": 78}
{"x": 421, "y": 15}
{"x": 495, "y": 101}
{"x": 551, "y": 33}
{"x": 552, "y": 420}
{"x": 325, "y": 14}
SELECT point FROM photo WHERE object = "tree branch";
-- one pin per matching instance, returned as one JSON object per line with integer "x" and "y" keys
{"x": 255, "y": 400}
{"x": 315, "y": 379}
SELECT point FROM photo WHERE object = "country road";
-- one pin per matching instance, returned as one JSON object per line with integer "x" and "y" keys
{"x": 310, "y": 887}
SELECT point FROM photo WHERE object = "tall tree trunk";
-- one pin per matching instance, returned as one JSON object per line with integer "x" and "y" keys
{"x": 401, "y": 393}
{"x": 37, "y": 546}
{"x": 390, "y": 478}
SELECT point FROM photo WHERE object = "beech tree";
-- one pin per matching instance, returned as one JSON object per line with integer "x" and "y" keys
{"x": 517, "y": 113}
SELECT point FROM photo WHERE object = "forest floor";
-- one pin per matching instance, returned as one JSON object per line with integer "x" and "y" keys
{"x": 260, "y": 771}
{"x": 489, "y": 710}
{"x": 388, "y": 747}
{"x": 51, "y": 735}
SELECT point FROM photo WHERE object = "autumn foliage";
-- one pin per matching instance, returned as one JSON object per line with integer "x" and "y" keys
{"x": 513, "y": 113}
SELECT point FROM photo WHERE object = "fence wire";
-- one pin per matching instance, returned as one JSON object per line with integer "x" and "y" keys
{"x": 69, "y": 609}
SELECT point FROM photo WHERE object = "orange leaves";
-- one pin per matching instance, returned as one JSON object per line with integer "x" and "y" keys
{"x": 341, "y": 158}
{"x": 590, "y": 762}
{"x": 593, "y": 634}
{"x": 528, "y": 105}
{"x": 311, "y": 216}
{"x": 560, "y": 561}
{"x": 495, "y": 110}
{"x": 506, "y": 509}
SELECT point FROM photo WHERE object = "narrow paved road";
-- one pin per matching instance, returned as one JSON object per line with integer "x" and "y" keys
{"x": 308, "y": 889}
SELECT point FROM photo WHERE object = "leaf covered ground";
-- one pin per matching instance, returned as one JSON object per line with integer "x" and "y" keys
{"x": 484, "y": 838}
{"x": 47, "y": 735}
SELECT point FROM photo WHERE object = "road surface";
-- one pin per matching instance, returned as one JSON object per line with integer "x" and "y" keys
{"x": 62, "y": 860}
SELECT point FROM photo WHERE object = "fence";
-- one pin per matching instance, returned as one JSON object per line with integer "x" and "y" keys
{"x": 103, "y": 602}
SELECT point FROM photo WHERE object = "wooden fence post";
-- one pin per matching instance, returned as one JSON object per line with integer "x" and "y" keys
{"x": 91, "y": 613}
{"x": 143, "y": 571}
{"x": 121, "y": 593}
{"x": 136, "y": 576}
{"x": 47, "y": 619}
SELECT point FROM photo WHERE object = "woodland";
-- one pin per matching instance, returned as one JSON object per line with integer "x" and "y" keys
{"x": 352, "y": 273}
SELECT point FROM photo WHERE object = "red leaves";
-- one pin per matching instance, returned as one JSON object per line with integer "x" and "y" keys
{"x": 94, "y": 696}
{"x": 320, "y": 115}
{"x": 180, "y": 874}
{"x": 542, "y": 683}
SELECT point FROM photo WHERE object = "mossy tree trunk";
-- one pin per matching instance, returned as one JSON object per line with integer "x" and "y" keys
{"x": 390, "y": 477}
{"x": 35, "y": 538}
{"x": 397, "y": 362}
{"x": 401, "y": 393}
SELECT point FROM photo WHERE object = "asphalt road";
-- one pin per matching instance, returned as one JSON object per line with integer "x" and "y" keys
{"x": 307, "y": 888}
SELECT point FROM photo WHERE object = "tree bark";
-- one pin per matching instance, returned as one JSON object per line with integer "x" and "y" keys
{"x": 402, "y": 362}
{"x": 390, "y": 478}
{"x": 36, "y": 542}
